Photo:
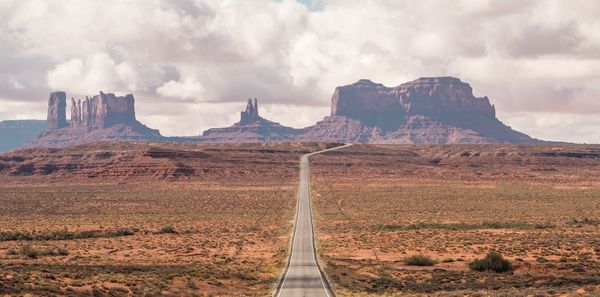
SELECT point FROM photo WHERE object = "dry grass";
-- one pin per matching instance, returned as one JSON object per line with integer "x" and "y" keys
{"x": 223, "y": 231}
{"x": 378, "y": 205}
{"x": 224, "y": 240}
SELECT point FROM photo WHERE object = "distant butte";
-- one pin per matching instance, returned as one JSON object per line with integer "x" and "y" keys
{"x": 104, "y": 117}
{"x": 251, "y": 128}
{"x": 428, "y": 110}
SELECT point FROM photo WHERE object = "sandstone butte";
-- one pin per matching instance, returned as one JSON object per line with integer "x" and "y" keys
{"x": 427, "y": 110}
{"x": 104, "y": 117}
{"x": 431, "y": 110}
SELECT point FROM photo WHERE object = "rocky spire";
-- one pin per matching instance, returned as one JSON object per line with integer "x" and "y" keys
{"x": 251, "y": 113}
{"x": 250, "y": 107}
{"x": 256, "y": 106}
{"x": 75, "y": 113}
{"x": 57, "y": 110}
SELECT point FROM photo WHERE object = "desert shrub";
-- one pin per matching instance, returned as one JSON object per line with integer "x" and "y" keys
{"x": 419, "y": 260}
{"x": 62, "y": 252}
{"x": 119, "y": 233}
{"x": 9, "y": 236}
{"x": 493, "y": 262}
{"x": 29, "y": 251}
{"x": 33, "y": 253}
{"x": 58, "y": 235}
{"x": 48, "y": 252}
{"x": 585, "y": 221}
{"x": 167, "y": 230}
{"x": 462, "y": 226}
{"x": 65, "y": 235}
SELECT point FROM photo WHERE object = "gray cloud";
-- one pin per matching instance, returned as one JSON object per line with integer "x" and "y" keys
{"x": 195, "y": 61}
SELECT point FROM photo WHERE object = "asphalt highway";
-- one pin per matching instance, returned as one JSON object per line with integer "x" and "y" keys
{"x": 303, "y": 276}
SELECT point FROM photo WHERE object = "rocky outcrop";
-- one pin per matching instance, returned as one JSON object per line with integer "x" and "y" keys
{"x": 441, "y": 95}
{"x": 251, "y": 128}
{"x": 251, "y": 113}
{"x": 103, "y": 111}
{"x": 377, "y": 105}
{"x": 106, "y": 110}
{"x": 426, "y": 110}
{"x": 99, "y": 118}
{"x": 434, "y": 110}
{"x": 57, "y": 116}
{"x": 75, "y": 113}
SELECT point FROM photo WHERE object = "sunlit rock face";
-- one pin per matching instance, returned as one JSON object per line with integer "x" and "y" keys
{"x": 426, "y": 110}
{"x": 432, "y": 110}
{"x": 57, "y": 117}
{"x": 103, "y": 117}
{"x": 103, "y": 111}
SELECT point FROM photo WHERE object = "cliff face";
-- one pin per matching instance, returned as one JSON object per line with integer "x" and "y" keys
{"x": 441, "y": 95}
{"x": 426, "y": 110}
{"x": 101, "y": 117}
{"x": 387, "y": 108}
{"x": 103, "y": 111}
{"x": 57, "y": 116}
{"x": 371, "y": 103}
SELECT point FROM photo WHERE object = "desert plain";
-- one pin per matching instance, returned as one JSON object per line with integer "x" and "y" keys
{"x": 379, "y": 206}
{"x": 116, "y": 219}
{"x": 162, "y": 219}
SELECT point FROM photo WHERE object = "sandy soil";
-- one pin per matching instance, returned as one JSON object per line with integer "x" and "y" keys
{"x": 539, "y": 206}
{"x": 115, "y": 219}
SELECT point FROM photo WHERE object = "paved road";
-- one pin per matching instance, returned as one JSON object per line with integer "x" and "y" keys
{"x": 303, "y": 277}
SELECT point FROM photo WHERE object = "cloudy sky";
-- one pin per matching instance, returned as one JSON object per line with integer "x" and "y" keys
{"x": 191, "y": 64}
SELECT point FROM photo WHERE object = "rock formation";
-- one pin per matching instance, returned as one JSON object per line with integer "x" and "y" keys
{"x": 426, "y": 110}
{"x": 377, "y": 105}
{"x": 75, "y": 113}
{"x": 251, "y": 113}
{"x": 441, "y": 95}
{"x": 57, "y": 116}
{"x": 103, "y": 111}
{"x": 101, "y": 117}
{"x": 251, "y": 128}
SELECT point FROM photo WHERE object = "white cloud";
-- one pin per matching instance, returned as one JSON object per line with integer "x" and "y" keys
{"x": 186, "y": 89}
{"x": 558, "y": 126}
{"x": 185, "y": 55}
{"x": 293, "y": 115}
{"x": 15, "y": 84}
{"x": 97, "y": 72}
{"x": 16, "y": 110}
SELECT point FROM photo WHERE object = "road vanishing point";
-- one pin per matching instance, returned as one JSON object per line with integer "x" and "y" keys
{"x": 303, "y": 276}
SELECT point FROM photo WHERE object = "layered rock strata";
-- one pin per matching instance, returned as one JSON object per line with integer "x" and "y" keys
{"x": 426, "y": 110}
{"x": 98, "y": 118}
